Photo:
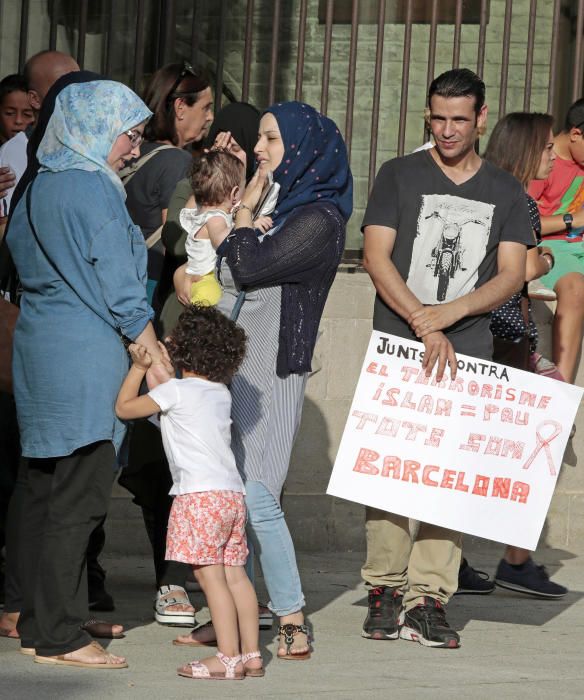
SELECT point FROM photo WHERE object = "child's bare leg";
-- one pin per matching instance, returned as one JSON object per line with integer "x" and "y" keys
{"x": 567, "y": 324}
{"x": 223, "y": 613}
{"x": 246, "y": 603}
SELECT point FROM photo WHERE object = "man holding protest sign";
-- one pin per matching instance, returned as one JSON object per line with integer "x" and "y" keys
{"x": 445, "y": 237}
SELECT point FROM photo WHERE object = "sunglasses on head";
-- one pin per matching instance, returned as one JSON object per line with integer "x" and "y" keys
{"x": 187, "y": 69}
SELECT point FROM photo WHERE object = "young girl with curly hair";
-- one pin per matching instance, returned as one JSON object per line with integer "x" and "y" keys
{"x": 206, "y": 528}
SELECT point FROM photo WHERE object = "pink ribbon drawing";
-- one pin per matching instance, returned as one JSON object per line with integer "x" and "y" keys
{"x": 544, "y": 443}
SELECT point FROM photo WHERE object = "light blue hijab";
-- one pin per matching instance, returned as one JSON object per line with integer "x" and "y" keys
{"x": 87, "y": 120}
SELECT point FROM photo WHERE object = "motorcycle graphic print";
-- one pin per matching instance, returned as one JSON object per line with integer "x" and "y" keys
{"x": 450, "y": 244}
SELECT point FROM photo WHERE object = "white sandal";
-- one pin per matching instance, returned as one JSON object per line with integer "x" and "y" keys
{"x": 173, "y": 618}
{"x": 199, "y": 671}
{"x": 252, "y": 672}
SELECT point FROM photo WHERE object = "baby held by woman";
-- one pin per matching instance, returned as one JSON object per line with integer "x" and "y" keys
{"x": 218, "y": 181}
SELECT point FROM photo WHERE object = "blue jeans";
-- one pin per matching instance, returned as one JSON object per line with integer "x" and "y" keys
{"x": 269, "y": 536}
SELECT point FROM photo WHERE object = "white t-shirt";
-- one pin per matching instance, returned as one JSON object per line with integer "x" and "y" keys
{"x": 200, "y": 252}
{"x": 195, "y": 422}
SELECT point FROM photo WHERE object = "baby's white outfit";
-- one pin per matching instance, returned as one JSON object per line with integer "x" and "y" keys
{"x": 200, "y": 252}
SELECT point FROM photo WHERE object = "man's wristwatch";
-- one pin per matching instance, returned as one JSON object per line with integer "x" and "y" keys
{"x": 568, "y": 221}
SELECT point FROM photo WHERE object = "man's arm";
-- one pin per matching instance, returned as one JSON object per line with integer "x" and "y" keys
{"x": 377, "y": 249}
{"x": 509, "y": 279}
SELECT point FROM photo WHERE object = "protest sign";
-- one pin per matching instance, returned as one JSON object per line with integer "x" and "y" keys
{"x": 480, "y": 454}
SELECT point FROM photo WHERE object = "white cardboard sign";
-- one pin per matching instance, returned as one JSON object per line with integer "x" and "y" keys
{"x": 480, "y": 454}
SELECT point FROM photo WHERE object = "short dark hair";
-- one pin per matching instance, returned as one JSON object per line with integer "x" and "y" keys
{"x": 12, "y": 83}
{"x": 159, "y": 94}
{"x": 207, "y": 343}
{"x": 517, "y": 143}
{"x": 459, "y": 82}
{"x": 214, "y": 175}
{"x": 575, "y": 116}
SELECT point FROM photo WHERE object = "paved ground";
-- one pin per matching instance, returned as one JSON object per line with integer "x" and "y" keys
{"x": 513, "y": 647}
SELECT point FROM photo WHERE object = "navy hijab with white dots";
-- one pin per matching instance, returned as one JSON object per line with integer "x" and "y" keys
{"x": 315, "y": 166}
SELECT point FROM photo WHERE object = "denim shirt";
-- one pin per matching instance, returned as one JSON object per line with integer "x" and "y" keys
{"x": 69, "y": 360}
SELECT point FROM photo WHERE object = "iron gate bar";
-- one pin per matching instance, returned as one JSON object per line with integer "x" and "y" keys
{"x": 81, "y": 33}
{"x": 247, "y": 51}
{"x": 529, "y": 58}
{"x": 195, "y": 32}
{"x": 53, "y": 28}
{"x": 431, "y": 57}
{"x": 457, "y": 32}
{"x": 554, "y": 55}
{"x": 139, "y": 51}
{"x": 376, "y": 92}
{"x": 220, "y": 55}
{"x": 482, "y": 38}
{"x": 168, "y": 32}
{"x": 301, "y": 46}
{"x": 23, "y": 34}
{"x": 403, "y": 108}
{"x": 352, "y": 73}
{"x": 577, "y": 80}
{"x": 274, "y": 56}
{"x": 110, "y": 40}
{"x": 326, "y": 59}
{"x": 505, "y": 57}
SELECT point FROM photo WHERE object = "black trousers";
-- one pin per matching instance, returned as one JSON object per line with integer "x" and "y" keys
{"x": 65, "y": 498}
{"x": 149, "y": 480}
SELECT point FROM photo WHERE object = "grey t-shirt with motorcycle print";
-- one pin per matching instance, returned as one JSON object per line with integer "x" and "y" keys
{"x": 447, "y": 237}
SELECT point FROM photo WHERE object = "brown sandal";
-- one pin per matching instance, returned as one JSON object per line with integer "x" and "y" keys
{"x": 99, "y": 629}
{"x": 195, "y": 642}
{"x": 289, "y": 631}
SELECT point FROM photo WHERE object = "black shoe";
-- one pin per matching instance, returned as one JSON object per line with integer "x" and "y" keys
{"x": 473, "y": 581}
{"x": 529, "y": 578}
{"x": 384, "y": 611}
{"x": 426, "y": 624}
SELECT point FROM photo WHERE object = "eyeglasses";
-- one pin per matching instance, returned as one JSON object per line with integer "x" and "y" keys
{"x": 135, "y": 137}
{"x": 187, "y": 69}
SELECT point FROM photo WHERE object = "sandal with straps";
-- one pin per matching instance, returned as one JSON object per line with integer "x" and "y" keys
{"x": 198, "y": 671}
{"x": 252, "y": 672}
{"x": 289, "y": 631}
{"x": 166, "y": 597}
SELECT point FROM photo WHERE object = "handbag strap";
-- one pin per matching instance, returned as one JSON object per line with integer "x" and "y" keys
{"x": 127, "y": 173}
{"x": 56, "y": 269}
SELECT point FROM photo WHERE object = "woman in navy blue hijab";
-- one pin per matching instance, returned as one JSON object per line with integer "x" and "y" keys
{"x": 286, "y": 276}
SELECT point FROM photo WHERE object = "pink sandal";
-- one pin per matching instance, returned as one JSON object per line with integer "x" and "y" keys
{"x": 198, "y": 671}
{"x": 252, "y": 672}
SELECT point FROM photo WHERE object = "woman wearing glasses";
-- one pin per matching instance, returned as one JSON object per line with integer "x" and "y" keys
{"x": 82, "y": 264}
{"x": 182, "y": 107}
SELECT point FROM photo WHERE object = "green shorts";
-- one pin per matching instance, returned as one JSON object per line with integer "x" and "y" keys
{"x": 569, "y": 257}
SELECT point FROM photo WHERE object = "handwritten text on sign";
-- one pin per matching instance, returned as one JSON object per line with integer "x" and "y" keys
{"x": 480, "y": 454}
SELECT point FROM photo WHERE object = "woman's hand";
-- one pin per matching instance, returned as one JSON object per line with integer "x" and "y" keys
{"x": 255, "y": 187}
{"x": 182, "y": 284}
{"x": 263, "y": 223}
{"x": 223, "y": 142}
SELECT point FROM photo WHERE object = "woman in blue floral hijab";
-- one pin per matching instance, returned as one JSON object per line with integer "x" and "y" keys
{"x": 82, "y": 264}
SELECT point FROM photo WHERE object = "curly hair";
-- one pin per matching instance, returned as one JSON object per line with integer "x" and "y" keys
{"x": 207, "y": 343}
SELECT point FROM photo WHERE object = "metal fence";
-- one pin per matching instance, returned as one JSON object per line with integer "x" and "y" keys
{"x": 277, "y": 56}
